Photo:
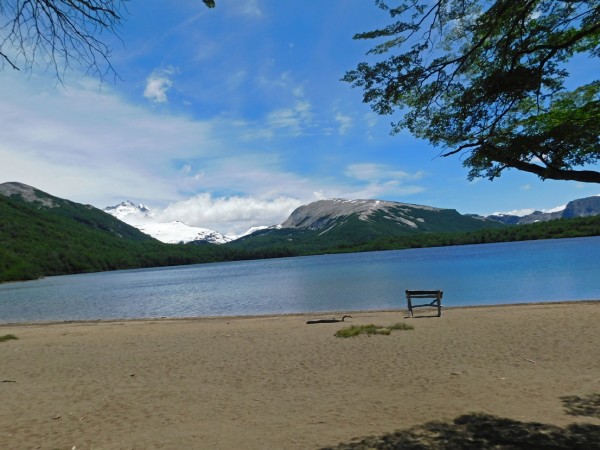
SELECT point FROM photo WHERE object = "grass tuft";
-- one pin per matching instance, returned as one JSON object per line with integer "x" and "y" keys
{"x": 7, "y": 337}
{"x": 371, "y": 329}
{"x": 401, "y": 326}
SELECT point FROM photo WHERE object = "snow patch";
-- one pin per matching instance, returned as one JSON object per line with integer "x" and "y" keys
{"x": 178, "y": 232}
{"x": 527, "y": 211}
{"x": 174, "y": 232}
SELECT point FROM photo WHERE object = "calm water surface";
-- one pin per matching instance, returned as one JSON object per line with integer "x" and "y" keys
{"x": 533, "y": 271}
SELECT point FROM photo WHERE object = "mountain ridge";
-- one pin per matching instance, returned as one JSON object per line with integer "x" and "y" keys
{"x": 315, "y": 214}
{"x": 322, "y": 213}
{"x": 581, "y": 207}
{"x": 84, "y": 214}
{"x": 43, "y": 235}
{"x": 341, "y": 223}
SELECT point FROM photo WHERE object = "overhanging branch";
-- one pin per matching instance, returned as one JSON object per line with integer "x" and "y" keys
{"x": 584, "y": 176}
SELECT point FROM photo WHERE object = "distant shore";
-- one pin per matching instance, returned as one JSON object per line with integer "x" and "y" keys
{"x": 276, "y": 382}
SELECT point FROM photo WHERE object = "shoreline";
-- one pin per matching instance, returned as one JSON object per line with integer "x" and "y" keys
{"x": 276, "y": 382}
{"x": 292, "y": 314}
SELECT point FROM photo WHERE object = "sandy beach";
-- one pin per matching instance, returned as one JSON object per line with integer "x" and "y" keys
{"x": 278, "y": 383}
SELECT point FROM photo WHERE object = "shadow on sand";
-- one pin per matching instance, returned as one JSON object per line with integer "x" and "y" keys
{"x": 483, "y": 431}
{"x": 583, "y": 406}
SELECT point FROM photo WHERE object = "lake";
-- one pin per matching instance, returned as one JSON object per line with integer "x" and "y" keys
{"x": 485, "y": 274}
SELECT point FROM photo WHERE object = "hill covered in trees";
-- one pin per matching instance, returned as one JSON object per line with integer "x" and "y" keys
{"x": 45, "y": 235}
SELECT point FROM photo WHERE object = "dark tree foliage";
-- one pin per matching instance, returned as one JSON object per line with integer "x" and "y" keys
{"x": 489, "y": 80}
{"x": 58, "y": 34}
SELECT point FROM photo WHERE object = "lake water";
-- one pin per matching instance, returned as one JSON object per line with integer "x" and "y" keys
{"x": 532, "y": 271}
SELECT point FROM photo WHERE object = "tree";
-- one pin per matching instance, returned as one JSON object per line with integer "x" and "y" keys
{"x": 58, "y": 33}
{"x": 488, "y": 79}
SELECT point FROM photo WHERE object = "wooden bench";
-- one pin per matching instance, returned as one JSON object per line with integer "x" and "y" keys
{"x": 435, "y": 295}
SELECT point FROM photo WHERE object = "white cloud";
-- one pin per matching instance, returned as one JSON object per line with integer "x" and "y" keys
{"x": 157, "y": 85}
{"x": 100, "y": 149}
{"x": 230, "y": 215}
{"x": 379, "y": 180}
{"x": 295, "y": 119}
{"x": 515, "y": 212}
{"x": 527, "y": 211}
{"x": 371, "y": 119}
{"x": 91, "y": 146}
{"x": 235, "y": 80}
{"x": 249, "y": 8}
{"x": 251, "y": 174}
{"x": 379, "y": 191}
{"x": 285, "y": 84}
{"x": 298, "y": 91}
{"x": 380, "y": 172}
{"x": 345, "y": 123}
{"x": 555, "y": 209}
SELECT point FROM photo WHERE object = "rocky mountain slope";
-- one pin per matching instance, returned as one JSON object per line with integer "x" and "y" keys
{"x": 340, "y": 222}
{"x": 325, "y": 215}
{"x": 583, "y": 207}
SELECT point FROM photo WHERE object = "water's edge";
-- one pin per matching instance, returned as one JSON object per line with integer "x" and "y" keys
{"x": 274, "y": 316}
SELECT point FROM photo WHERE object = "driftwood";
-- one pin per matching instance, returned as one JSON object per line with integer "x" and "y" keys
{"x": 328, "y": 320}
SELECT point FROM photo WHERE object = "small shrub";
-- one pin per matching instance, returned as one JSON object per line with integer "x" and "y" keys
{"x": 371, "y": 329}
{"x": 7, "y": 337}
{"x": 354, "y": 330}
{"x": 401, "y": 326}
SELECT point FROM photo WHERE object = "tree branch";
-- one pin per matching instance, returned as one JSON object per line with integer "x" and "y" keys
{"x": 584, "y": 176}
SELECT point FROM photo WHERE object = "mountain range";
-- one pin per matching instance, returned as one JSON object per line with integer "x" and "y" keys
{"x": 389, "y": 217}
{"x": 583, "y": 207}
{"x": 337, "y": 224}
{"x": 378, "y": 217}
{"x": 41, "y": 234}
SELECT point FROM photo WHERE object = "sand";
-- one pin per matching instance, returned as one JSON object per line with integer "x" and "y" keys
{"x": 278, "y": 383}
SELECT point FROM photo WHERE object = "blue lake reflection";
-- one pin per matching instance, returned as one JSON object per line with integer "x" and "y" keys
{"x": 532, "y": 271}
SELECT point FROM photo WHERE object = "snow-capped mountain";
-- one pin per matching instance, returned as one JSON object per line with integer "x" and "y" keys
{"x": 174, "y": 232}
{"x": 388, "y": 217}
{"x": 129, "y": 212}
{"x": 320, "y": 214}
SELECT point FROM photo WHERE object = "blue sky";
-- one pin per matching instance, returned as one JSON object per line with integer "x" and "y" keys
{"x": 231, "y": 117}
